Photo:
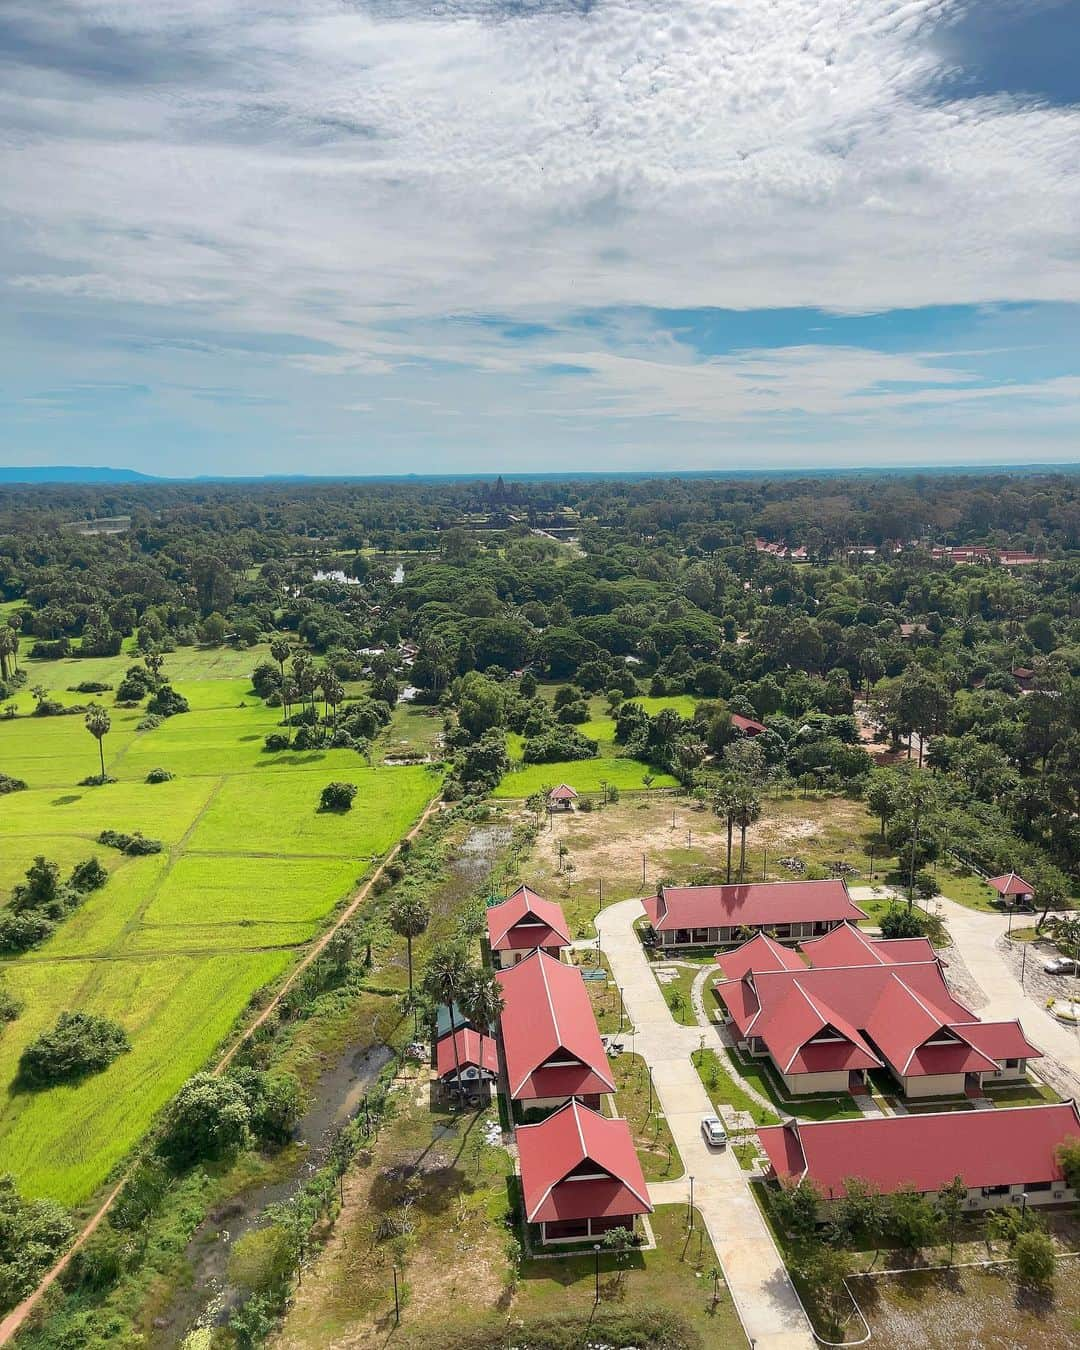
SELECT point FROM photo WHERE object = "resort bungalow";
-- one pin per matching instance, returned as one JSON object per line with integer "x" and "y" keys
{"x": 1013, "y": 890}
{"x": 562, "y": 798}
{"x": 1001, "y": 1156}
{"x": 551, "y": 1048}
{"x": 466, "y": 1059}
{"x": 824, "y": 1027}
{"x": 746, "y": 726}
{"x": 580, "y": 1175}
{"x": 721, "y": 916}
{"x": 523, "y": 923}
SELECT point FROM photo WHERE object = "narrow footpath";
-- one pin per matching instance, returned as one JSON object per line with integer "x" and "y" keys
{"x": 764, "y": 1296}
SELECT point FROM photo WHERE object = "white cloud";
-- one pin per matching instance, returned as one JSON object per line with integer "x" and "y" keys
{"x": 326, "y": 170}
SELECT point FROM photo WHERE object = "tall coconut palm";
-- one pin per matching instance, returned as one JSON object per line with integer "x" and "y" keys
{"x": 409, "y": 917}
{"x": 445, "y": 977}
{"x": 747, "y": 810}
{"x": 98, "y": 723}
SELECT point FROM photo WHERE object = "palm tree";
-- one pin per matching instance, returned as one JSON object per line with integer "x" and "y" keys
{"x": 747, "y": 810}
{"x": 98, "y": 723}
{"x": 481, "y": 998}
{"x": 279, "y": 650}
{"x": 154, "y": 660}
{"x": 724, "y": 805}
{"x": 409, "y": 917}
{"x": 333, "y": 692}
{"x": 8, "y": 646}
{"x": 445, "y": 977}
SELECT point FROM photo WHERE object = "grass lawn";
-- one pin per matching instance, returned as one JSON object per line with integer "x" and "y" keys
{"x": 660, "y": 1160}
{"x": 676, "y": 991}
{"x": 585, "y": 775}
{"x": 413, "y": 730}
{"x": 175, "y": 944}
{"x": 1024, "y": 1094}
{"x": 607, "y": 1006}
{"x": 967, "y": 890}
{"x": 944, "y": 1309}
{"x": 813, "y": 1106}
{"x": 723, "y": 1090}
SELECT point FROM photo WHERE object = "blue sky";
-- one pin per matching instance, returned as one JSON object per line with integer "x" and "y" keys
{"x": 401, "y": 236}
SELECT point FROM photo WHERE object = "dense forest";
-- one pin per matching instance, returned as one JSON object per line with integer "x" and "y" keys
{"x": 802, "y": 604}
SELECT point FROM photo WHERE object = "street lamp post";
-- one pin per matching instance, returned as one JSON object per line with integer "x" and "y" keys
{"x": 596, "y": 1254}
{"x": 1023, "y": 963}
{"x": 621, "y": 1008}
{"x": 690, "y": 1215}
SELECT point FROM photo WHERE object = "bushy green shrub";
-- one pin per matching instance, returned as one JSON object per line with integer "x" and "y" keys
{"x": 9, "y": 784}
{"x": 277, "y": 740}
{"x": 166, "y": 702}
{"x": 337, "y": 796}
{"x": 79, "y": 1044}
{"x": 159, "y": 776}
{"x": 135, "y": 845}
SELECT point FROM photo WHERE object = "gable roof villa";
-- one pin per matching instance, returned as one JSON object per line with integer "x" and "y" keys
{"x": 525, "y": 920}
{"x": 763, "y": 904}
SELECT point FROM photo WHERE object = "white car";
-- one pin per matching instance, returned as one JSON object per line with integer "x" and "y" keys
{"x": 1059, "y": 965}
{"x": 712, "y": 1129}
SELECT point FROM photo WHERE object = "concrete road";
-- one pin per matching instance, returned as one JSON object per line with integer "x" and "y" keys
{"x": 763, "y": 1293}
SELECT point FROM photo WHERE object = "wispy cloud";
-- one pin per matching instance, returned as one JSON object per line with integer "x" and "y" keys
{"x": 361, "y": 181}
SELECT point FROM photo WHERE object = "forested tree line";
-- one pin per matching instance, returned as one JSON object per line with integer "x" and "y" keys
{"x": 973, "y": 667}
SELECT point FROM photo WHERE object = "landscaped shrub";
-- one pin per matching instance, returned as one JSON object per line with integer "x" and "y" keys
{"x": 159, "y": 776}
{"x": 79, "y": 1044}
{"x": 277, "y": 740}
{"x": 1035, "y": 1259}
{"x": 9, "y": 784}
{"x": 337, "y": 796}
{"x": 136, "y": 845}
{"x": 167, "y": 702}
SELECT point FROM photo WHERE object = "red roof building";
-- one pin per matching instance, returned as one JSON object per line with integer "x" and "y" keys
{"x": 746, "y": 726}
{"x": 850, "y": 946}
{"x": 823, "y": 1027}
{"x": 1013, "y": 889}
{"x": 476, "y": 1057}
{"x": 550, "y": 1045}
{"x": 562, "y": 796}
{"x": 697, "y": 916}
{"x": 580, "y": 1174}
{"x": 524, "y": 922}
{"x": 759, "y": 953}
{"x": 1000, "y": 1154}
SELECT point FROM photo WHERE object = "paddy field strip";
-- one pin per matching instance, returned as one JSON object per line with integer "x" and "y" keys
{"x": 176, "y": 944}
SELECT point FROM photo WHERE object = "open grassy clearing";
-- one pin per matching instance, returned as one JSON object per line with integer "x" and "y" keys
{"x": 660, "y": 1159}
{"x": 184, "y": 663}
{"x": 461, "y": 1271}
{"x": 585, "y": 775}
{"x": 176, "y": 943}
{"x": 608, "y": 844}
{"x": 944, "y": 1309}
{"x": 414, "y": 730}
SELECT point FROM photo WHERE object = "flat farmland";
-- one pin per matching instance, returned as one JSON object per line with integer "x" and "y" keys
{"x": 176, "y": 943}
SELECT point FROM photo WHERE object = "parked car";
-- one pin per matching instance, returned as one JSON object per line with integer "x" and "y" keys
{"x": 712, "y": 1129}
{"x": 1060, "y": 965}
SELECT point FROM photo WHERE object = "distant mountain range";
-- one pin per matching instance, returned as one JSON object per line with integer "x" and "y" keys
{"x": 61, "y": 473}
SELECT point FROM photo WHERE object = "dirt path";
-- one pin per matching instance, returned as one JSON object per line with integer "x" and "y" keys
{"x": 13, "y": 1322}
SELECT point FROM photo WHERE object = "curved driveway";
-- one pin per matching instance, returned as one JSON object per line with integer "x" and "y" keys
{"x": 763, "y": 1293}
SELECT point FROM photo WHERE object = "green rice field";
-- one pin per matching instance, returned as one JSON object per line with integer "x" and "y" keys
{"x": 176, "y": 943}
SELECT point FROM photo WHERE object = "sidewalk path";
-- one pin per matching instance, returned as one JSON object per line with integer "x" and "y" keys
{"x": 770, "y": 1311}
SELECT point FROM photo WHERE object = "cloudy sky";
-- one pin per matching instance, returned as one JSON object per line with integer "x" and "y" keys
{"x": 326, "y": 236}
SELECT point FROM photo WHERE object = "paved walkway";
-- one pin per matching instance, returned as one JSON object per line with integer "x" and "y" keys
{"x": 976, "y": 935}
{"x": 764, "y": 1296}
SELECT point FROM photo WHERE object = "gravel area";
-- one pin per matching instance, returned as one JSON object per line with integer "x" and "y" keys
{"x": 960, "y": 979}
{"x": 1041, "y": 987}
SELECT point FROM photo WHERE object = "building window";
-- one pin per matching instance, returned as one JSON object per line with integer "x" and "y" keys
{"x": 1037, "y": 1186}
{"x": 996, "y": 1190}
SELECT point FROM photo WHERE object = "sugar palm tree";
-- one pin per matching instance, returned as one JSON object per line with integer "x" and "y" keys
{"x": 724, "y": 804}
{"x": 444, "y": 979}
{"x": 747, "y": 810}
{"x": 98, "y": 723}
{"x": 409, "y": 917}
{"x": 279, "y": 650}
{"x": 481, "y": 998}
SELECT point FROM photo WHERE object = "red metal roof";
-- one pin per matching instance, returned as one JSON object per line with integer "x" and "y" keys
{"x": 1011, "y": 884}
{"x": 1000, "y": 1040}
{"x": 850, "y": 946}
{"x": 562, "y": 793}
{"x": 547, "y": 1016}
{"x": 747, "y": 725}
{"x": 525, "y": 920}
{"x": 577, "y": 1140}
{"x": 756, "y": 904}
{"x": 761, "y": 952}
{"x": 986, "y": 1148}
{"x": 898, "y": 1009}
{"x": 473, "y": 1050}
